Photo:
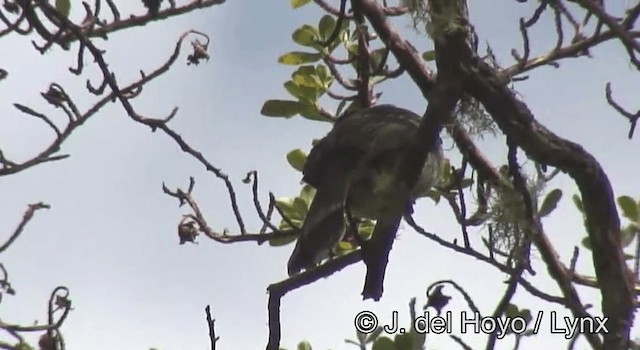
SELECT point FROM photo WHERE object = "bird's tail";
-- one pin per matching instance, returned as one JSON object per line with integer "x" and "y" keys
{"x": 324, "y": 225}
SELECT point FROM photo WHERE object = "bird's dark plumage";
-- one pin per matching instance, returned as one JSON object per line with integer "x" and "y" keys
{"x": 355, "y": 163}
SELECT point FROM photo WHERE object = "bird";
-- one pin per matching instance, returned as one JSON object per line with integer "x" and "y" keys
{"x": 352, "y": 169}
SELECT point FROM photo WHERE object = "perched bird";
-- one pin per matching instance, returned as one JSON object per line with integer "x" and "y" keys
{"x": 354, "y": 168}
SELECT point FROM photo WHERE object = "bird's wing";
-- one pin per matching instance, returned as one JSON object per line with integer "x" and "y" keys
{"x": 324, "y": 225}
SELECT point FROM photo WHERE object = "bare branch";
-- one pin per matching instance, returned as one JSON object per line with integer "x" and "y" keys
{"x": 212, "y": 331}
{"x": 28, "y": 215}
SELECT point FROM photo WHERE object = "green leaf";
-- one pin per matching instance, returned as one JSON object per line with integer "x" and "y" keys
{"x": 629, "y": 208}
{"x": 341, "y": 106}
{"x": 628, "y": 234}
{"x": 464, "y": 183}
{"x": 311, "y": 112}
{"x": 22, "y": 346}
{"x": 511, "y": 311}
{"x": 289, "y": 208}
{"x": 282, "y": 241}
{"x": 280, "y": 108}
{"x": 445, "y": 172}
{"x": 301, "y": 207}
{"x": 326, "y": 26}
{"x": 376, "y": 57}
{"x": 303, "y": 93}
{"x": 296, "y": 159}
{"x": 297, "y": 4}
{"x": 352, "y": 49}
{"x": 586, "y": 242}
{"x": 429, "y": 55}
{"x": 307, "y": 193}
{"x": 366, "y": 229}
{"x": 374, "y": 335}
{"x": 306, "y": 76}
{"x": 578, "y": 202}
{"x": 285, "y": 226}
{"x": 434, "y": 195}
{"x": 306, "y": 36}
{"x": 550, "y": 202}
{"x": 404, "y": 341}
{"x": 296, "y": 58}
{"x": 526, "y": 314}
{"x": 285, "y": 204}
{"x": 346, "y": 246}
{"x": 304, "y": 345}
{"x": 324, "y": 75}
{"x": 64, "y": 7}
{"x": 383, "y": 343}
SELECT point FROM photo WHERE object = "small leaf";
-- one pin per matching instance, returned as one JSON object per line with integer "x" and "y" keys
{"x": 280, "y": 108}
{"x": 304, "y": 345}
{"x": 464, "y": 183}
{"x": 511, "y": 311}
{"x": 306, "y": 36}
{"x": 303, "y": 93}
{"x": 550, "y": 202}
{"x": 324, "y": 75}
{"x": 344, "y": 246}
{"x": 64, "y": 7}
{"x": 341, "y": 106}
{"x": 285, "y": 204}
{"x": 429, "y": 55}
{"x": 404, "y": 341}
{"x": 297, "y": 4}
{"x": 285, "y": 226}
{"x": 586, "y": 242}
{"x": 526, "y": 314}
{"x": 374, "y": 335}
{"x": 306, "y": 76}
{"x": 627, "y": 235}
{"x": 578, "y": 202}
{"x": 445, "y": 172}
{"x": 301, "y": 207}
{"x": 282, "y": 241}
{"x": 326, "y": 26}
{"x": 366, "y": 229}
{"x": 296, "y": 58}
{"x": 307, "y": 193}
{"x": 376, "y": 58}
{"x": 434, "y": 195}
{"x": 383, "y": 343}
{"x": 296, "y": 159}
{"x": 311, "y": 112}
{"x": 629, "y": 208}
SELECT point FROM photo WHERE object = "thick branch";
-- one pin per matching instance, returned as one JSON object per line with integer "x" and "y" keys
{"x": 517, "y": 121}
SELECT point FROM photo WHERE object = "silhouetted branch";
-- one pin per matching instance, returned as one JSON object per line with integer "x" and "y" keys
{"x": 28, "y": 215}
{"x": 212, "y": 331}
{"x": 278, "y": 290}
{"x": 632, "y": 117}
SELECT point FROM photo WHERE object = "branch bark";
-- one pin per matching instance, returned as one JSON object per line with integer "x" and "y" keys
{"x": 515, "y": 119}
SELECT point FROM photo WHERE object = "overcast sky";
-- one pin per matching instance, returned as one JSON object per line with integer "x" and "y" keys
{"x": 110, "y": 235}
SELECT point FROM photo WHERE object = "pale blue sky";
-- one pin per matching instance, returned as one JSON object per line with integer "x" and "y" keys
{"x": 111, "y": 233}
